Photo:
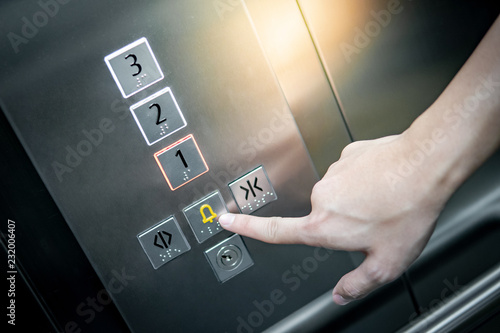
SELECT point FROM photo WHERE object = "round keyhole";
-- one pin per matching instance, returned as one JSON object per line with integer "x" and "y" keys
{"x": 229, "y": 257}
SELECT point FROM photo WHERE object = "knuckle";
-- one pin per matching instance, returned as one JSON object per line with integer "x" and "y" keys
{"x": 392, "y": 274}
{"x": 345, "y": 151}
{"x": 381, "y": 274}
{"x": 312, "y": 230}
{"x": 375, "y": 274}
{"x": 349, "y": 148}
{"x": 351, "y": 291}
{"x": 272, "y": 227}
{"x": 323, "y": 188}
{"x": 313, "y": 223}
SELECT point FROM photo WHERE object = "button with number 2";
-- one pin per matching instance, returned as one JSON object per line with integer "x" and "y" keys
{"x": 158, "y": 116}
{"x": 181, "y": 162}
{"x": 134, "y": 67}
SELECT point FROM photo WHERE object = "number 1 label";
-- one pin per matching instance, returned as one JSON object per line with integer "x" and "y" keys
{"x": 179, "y": 153}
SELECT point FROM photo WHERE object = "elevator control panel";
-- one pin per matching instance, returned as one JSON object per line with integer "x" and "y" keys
{"x": 181, "y": 162}
{"x": 145, "y": 132}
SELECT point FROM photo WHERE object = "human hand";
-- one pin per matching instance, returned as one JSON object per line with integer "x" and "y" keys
{"x": 358, "y": 207}
{"x": 382, "y": 197}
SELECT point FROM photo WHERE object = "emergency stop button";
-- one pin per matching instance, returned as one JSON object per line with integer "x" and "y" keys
{"x": 203, "y": 216}
{"x": 253, "y": 190}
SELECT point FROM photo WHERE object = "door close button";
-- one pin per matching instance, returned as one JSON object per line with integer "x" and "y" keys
{"x": 253, "y": 191}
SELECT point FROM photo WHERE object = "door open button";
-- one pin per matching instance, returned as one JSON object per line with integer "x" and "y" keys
{"x": 163, "y": 242}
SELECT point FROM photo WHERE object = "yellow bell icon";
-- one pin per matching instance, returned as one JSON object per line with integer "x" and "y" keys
{"x": 210, "y": 210}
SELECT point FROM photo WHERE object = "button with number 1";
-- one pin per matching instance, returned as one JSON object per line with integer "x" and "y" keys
{"x": 181, "y": 162}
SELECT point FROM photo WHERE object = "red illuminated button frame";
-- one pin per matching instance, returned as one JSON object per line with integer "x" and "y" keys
{"x": 181, "y": 162}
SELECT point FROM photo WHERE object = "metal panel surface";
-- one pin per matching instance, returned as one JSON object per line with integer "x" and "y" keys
{"x": 48, "y": 257}
{"x": 287, "y": 43}
{"x": 388, "y": 60}
{"x": 75, "y": 125}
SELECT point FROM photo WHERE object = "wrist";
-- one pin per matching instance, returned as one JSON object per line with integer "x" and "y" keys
{"x": 436, "y": 157}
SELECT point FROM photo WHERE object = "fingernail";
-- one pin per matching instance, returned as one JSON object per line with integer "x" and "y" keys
{"x": 340, "y": 300}
{"x": 226, "y": 220}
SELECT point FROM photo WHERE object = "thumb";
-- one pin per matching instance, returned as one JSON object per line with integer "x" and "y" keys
{"x": 277, "y": 230}
{"x": 370, "y": 275}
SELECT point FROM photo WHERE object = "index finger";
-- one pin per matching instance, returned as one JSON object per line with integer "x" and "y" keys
{"x": 276, "y": 230}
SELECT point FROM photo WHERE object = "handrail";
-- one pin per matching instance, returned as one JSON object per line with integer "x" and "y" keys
{"x": 471, "y": 303}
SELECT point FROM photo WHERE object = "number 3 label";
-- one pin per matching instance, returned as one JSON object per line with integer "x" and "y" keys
{"x": 139, "y": 67}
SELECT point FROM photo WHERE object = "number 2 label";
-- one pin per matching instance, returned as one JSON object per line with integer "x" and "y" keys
{"x": 158, "y": 115}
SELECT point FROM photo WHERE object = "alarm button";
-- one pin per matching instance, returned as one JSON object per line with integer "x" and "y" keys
{"x": 203, "y": 216}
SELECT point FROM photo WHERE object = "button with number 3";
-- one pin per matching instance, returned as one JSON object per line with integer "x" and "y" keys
{"x": 158, "y": 116}
{"x": 181, "y": 162}
{"x": 134, "y": 67}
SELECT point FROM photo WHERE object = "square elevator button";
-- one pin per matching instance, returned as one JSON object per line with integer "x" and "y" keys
{"x": 181, "y": 162}
{"x": 134, "y": 67}
{"x": 163, "y": 242}
{"x": 253, "y": 190}
{"x": 203, "y": 214}
{"x": 158, "y": 116}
